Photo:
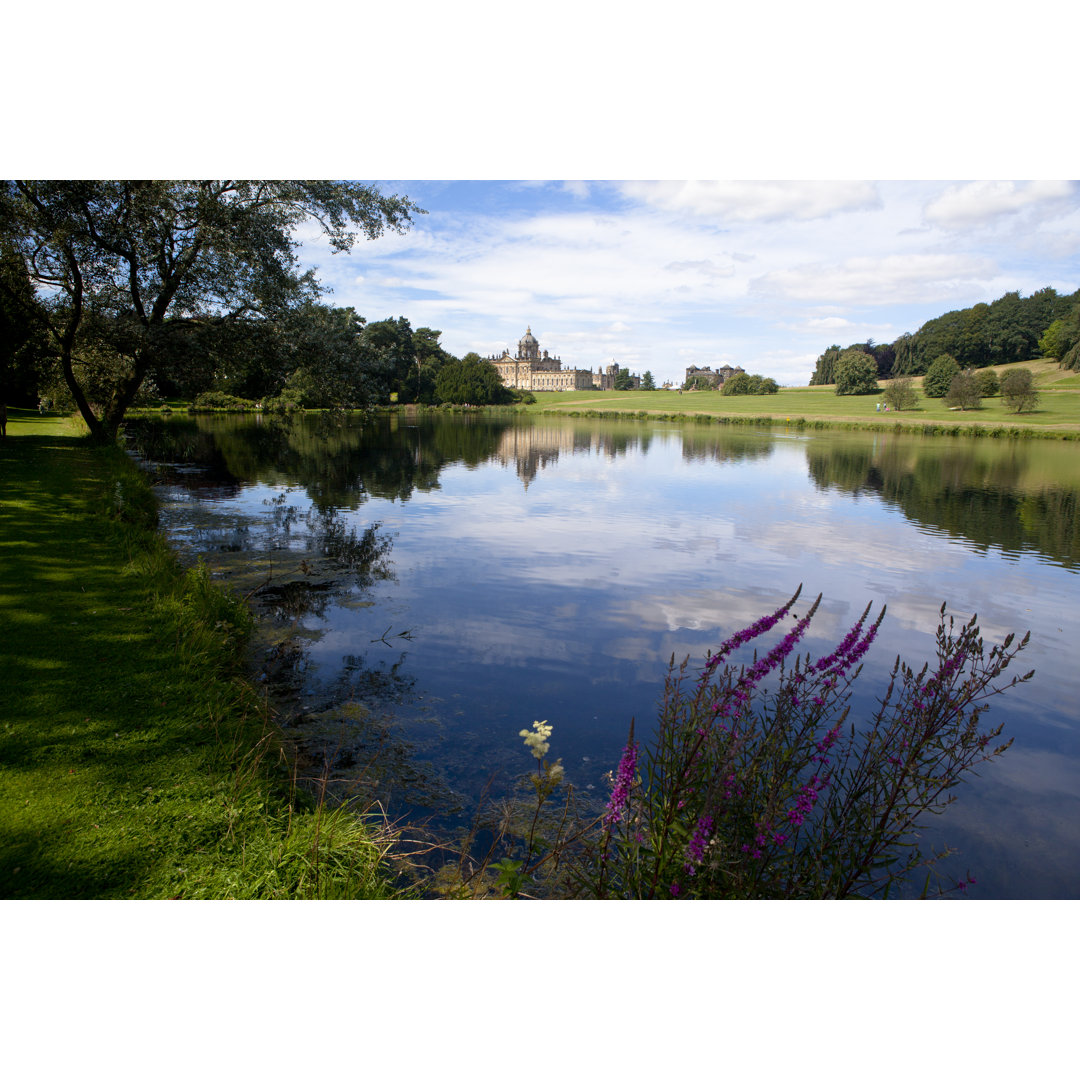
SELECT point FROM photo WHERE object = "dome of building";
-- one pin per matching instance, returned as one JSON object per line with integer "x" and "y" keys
{"x": 528, "y": 346}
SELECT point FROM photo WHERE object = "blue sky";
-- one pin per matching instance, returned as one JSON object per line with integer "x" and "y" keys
{"x": 661, "y": 275}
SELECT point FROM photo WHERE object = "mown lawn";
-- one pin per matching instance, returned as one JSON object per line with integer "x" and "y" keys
{"x": 135, "y": 760}
{"x": 1059, "y": 407}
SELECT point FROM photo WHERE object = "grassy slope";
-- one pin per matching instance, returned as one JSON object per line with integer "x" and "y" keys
{"x": 134, "y": 762}
{"x": 1058, "y": 410}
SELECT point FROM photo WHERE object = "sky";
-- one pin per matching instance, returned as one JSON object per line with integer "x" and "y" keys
{"x": 661, "y": 275}
{"x": 485, "y": 115}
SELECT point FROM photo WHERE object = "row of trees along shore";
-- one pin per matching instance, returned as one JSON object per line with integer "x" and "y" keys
{"x": 1010, "y": 330}
{"x": 123, "y": 293}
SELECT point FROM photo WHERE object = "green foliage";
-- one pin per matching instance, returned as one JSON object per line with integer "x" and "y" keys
{"x": 127, "y": 719}
{"x": 825, "y": 369}
{"x": 1018, "y": 390}
{"x": 901, "y": 394}
{"x": 647, "y": 381}
{"x": 128, "y": 266}
{"x": 987, "y": 382}
{"x": 419, "y": 384}
{"x": 699, "y": 382}
{"x": 624, "y": 380}
{"x": 1011, "y": 329}
{"x": 1051, "y": 343}
{"x": 215, "y": 400}
{"x": 963, "y": 392}
{"x": 471, "y": 381}
{"x": 23, "y": 345}
{"x": 741, "y": 383}
{"x": 940, "y": 376}
{"x": 1068, "y": 342}
{"x": 856, "y": 372}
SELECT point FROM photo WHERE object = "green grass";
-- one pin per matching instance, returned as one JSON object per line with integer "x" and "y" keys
{"x": 1058, "y": 412}
{"x": 135, "y": 760}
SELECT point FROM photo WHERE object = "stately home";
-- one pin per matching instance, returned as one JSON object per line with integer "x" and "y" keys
{"x": 532, "y": 369}
{"x": 715, "y": 379}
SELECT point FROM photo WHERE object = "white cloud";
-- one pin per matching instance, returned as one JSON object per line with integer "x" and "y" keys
{"x": 985, "y": 202}
{"x": 832, "y": 322}
{"x": 658, "y": 276}
{"x": 879, "y": 280}
{"x": 741, "y": 200}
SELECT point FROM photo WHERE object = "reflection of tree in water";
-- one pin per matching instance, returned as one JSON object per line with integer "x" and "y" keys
{"x": 347, "y": 732}
{"x": 961, "y": 490}
{"x": 724, "y": 446}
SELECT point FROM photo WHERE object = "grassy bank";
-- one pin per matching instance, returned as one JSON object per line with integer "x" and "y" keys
{"x": 135, "y": 760}
{"x": 1056, "y": 416}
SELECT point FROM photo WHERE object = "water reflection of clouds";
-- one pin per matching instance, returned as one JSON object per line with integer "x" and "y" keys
{"x": 1017, "y": 826}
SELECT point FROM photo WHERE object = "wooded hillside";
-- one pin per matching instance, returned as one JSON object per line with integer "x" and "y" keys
{"x": 1009, "y": 330}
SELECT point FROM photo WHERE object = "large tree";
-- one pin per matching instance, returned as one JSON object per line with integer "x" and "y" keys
{"x": 939, "y": 376}
{"x": 1018, "y": 390}
{"x": 856, "y": 372}
{"x": 471, "y": 381}
{"x": 126, "y": 265}
{"x": 22, "y": 342}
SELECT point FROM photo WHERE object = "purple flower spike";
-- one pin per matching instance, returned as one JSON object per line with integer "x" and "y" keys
{"x": 696, "y": 850}
{"x": 748, "y": 634}
{"x": 624, "y": 781}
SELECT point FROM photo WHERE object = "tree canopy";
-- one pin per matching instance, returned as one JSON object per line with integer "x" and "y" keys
{"x": 940, "y": 376}
{"x": 1008, "y": 330}
{"x": 856, "y": 372}
{"x": 1018, "y": 390}
{"x": 125, "y": 267}
{"x": 471, "y": 381}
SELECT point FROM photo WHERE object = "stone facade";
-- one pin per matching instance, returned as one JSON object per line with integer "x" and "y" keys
{"x": 533, "y": 369}
{"x": 716, "y": 379}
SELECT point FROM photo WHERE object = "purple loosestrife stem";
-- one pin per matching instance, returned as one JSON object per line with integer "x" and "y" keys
{"x": 844, "y": 646}
{"x": 695, "y": 852}
{"x": 748, "y": 634}
{"x": 624, "y": 781}
{"x": 762, "y": 667}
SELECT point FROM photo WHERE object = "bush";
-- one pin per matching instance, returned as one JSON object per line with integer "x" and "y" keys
{"x": 940, "y": 375}
{"x": 963, "y": 392}
{"x": 215, "y": 399}
{"x": 748, "y": 794}
{"x": 741, "y": 383}
{"x": 758, "y": 783}
{"x": 987, "y": 382}
{"x": 900, "y": 394}
{"x": 1018, "y": 390}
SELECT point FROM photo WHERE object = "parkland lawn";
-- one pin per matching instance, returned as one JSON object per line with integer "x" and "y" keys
{"x": 135, "y": 759}
{"x": 1058, "y": 411}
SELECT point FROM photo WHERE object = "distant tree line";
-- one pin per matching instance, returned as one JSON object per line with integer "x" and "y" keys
{"x": 1010, "y": 330}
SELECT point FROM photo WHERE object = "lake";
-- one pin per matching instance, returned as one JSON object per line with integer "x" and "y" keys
{"x": 432, "y": 585}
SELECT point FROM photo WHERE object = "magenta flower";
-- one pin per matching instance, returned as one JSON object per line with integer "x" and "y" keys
{"x": 762, "y": 626}
{"x": 624, "y": 781}
{"x": 695, "y": 852}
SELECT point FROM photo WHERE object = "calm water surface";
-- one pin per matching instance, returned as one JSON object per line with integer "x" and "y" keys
{"x": 549, "y": 569}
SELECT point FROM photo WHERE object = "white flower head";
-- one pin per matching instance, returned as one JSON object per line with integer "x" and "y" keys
{"x": 536, "y": 740}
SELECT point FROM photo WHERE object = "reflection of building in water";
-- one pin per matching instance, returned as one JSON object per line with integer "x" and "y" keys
{"x": 532, "y": 448}
{"x": 532, "y": 369}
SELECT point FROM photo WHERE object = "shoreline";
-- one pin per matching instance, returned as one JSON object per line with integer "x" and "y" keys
{"x": 140, "y": 762}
